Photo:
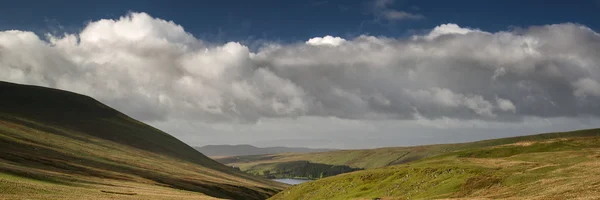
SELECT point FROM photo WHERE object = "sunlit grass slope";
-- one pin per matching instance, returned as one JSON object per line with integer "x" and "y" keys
{"x": 374, "y": 158}
{"x": 56, "y": 144}
{"x": 549, "y": 166}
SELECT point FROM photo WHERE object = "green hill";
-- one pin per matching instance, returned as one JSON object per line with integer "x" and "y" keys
{"x": 547, "y": 166}
{"x": 368, "y": 158}
{"x": 58, "y": 144}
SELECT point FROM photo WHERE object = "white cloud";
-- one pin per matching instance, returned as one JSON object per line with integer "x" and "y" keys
{"x": 445, "y": 98}
{"x": 327, "y": 40}
{"x": 586, "y": 86}
{"x": 153, "y": 70}
{"x": 505, "y": 105}
{"x": 498, "y": 72}
{"x": 449, "y": 29}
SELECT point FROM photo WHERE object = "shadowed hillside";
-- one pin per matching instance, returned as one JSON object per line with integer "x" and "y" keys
{"x": 58, "y": 144}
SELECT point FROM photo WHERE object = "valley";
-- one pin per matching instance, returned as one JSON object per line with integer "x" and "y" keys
{"x": 60, "y": 145}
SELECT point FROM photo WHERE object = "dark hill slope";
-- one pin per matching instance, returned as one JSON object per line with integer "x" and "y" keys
{"x": 53, "y": 140}
{"x": 84, "y": 114}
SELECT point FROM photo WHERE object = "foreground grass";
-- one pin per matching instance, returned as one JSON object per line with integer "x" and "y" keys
{"x": 17, "y": 187}
{"x": 560, "y": 168}
{"x": 56, "y": 145}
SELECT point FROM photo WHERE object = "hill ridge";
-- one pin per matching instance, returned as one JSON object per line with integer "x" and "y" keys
{"x": 68, "y": 139}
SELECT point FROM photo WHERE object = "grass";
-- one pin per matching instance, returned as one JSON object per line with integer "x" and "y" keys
{"x": 539, "y": 168}
{"x": 381, "y": 157}
{"x": 17, "y": 187}
{"x": 55, "y": 144}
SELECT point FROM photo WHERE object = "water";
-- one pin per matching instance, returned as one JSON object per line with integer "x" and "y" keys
{"x": 290, "y": 181}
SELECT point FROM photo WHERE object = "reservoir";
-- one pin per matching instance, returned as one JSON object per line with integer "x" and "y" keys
{"x": 290, "y": 181}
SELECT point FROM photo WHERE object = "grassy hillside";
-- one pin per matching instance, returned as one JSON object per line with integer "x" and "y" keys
{"x": 57, "y": 144}
{"x": 373, "y": 158}
{"x": 244, "y": 149}
{"x": 533, "y": 167}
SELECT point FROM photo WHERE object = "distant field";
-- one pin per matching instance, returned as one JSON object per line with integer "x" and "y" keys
{"x": 537, "y": 168}
{"x": 374, "y": 158}
{"x": 60, "y": 145}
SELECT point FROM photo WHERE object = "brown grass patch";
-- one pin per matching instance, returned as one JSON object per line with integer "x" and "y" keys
{"x": 477, "y": 183}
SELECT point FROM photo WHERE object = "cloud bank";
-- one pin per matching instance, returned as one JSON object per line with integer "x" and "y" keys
{"x": 154, "y": 70}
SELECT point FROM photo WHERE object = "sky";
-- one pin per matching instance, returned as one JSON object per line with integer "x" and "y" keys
{"x": 326, "y": 74}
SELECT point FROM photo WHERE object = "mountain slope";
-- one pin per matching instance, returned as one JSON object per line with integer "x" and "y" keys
{"x": 541, "y": 167}
{"x": 242, "y": 150}
{"x": 53, "y": 142}
{"x": 372, "y": 158}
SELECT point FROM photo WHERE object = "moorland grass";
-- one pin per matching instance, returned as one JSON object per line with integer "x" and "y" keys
{"x": 563, "y": 168}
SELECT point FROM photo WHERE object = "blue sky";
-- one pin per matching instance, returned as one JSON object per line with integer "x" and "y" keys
{"x": 293, "y": 21}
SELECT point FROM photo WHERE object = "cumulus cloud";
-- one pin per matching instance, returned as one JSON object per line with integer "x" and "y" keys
{"x": 156, "y": 71}
{"x": 449, "y": 29}
{"x": 327, "y": 40}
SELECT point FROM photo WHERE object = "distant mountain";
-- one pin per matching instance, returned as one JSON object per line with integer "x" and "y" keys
{"x": 244, "y": 149}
